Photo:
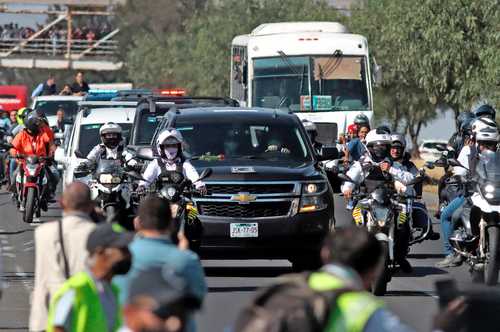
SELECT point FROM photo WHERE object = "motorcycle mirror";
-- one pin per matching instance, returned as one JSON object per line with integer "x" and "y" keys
{"x": 344, "y": 177}
{"x": 205, "y": 174}
{"x": 429, "y": 165}
{"x": 455, "y": 163}
{"x": 143, "y": 157}
{"x": 79, "y": 154}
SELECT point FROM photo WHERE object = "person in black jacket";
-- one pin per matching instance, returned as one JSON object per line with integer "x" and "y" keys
{"x": 79, "y": 87}
{"x": 46, "y": 88}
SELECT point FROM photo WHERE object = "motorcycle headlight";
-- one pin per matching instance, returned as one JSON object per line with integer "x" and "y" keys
{"x": 168, "y": 192}
{"x": 106, "y": 178}
{"x": 489, "y": 188}
{"x": 489, "y": 196}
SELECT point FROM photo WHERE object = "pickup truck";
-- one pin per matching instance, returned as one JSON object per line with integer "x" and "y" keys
{"x": 268, "y": 196}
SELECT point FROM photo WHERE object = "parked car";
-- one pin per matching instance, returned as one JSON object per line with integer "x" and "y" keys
{"x": 431, "y": 150}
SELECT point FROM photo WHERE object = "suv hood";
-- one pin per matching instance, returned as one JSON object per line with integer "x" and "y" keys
{"x": 252, "y": 171}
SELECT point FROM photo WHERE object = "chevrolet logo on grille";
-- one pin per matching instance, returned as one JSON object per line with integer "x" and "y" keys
{"x": 243, "y": 198}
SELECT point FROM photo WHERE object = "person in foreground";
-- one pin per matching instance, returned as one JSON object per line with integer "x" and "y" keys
{"x": 159, "y": 300}
{"x": 60, "y": 249}
{"x": 352, "y": 258}
{"x": 88, "y": 301}
{"x": 155, "y": 228}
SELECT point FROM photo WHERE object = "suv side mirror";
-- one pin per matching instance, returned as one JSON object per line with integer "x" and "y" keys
{"x": 328, "y": 153}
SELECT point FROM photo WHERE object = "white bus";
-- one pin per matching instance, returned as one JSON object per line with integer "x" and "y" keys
{"x": 286, "y": 65}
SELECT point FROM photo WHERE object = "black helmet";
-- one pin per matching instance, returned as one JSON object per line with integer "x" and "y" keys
{"x": 463, "y": 117}
{"x": 32, "y": 124}
{"x": 466, "y": 126}
{"x": 483, "y": 109}
{"x": 361, "y": 120}
{"x": 383, "y": 130}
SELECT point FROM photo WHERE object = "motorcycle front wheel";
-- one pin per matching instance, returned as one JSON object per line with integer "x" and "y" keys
{"x": 493, "y": 264}
{"x": 111, "y": 213}
{"x": 379, "y": 287}
{"x": 29, "y": 208}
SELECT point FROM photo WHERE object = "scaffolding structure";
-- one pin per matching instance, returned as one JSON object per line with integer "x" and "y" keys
{"x": 65, "y": 53}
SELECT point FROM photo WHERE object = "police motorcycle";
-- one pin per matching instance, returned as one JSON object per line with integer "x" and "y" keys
{"x": 384, "y": 212}
{"x": 111, "y": 187}
{"x": 179, "y": 191}
{"x": 476, "y": 233}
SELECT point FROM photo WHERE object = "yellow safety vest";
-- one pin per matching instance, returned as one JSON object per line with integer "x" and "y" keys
{"x": 88, "y": 313}
{"x": 353, "y": 309}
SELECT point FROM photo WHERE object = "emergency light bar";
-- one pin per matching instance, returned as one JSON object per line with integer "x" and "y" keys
{"x": 173, "y": 92}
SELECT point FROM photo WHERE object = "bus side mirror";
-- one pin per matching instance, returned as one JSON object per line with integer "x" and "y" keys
{"x": 377, "y": 73}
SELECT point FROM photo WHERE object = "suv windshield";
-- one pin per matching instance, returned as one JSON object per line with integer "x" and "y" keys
{"x": 89, "y": 136}
{"x": 145, "y": 126}
{"x": 50, "y": 107}
{"x": 335, "y": 83}
{"x": 215, "y": 140}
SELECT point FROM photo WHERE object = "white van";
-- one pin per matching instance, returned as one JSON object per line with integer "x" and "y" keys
{"x": 85, "y": 135}
{"x": 50, "y": 104}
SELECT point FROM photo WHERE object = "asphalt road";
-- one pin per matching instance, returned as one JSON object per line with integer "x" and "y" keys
{"x": 231, "y": 283}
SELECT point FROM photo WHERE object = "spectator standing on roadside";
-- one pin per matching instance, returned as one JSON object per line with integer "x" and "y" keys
{"x": 80, "y": 87}
{"x": 60, "y": 250}
{"x": 46, "y": 88}
{"x": 13, "y": 118}
{"x": 88, "y": 301}
{"x": 158, "y": 300}
{"x": 155, "y": 227}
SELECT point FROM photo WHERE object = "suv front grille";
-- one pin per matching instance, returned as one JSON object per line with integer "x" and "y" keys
{"x": 252, "y": 210}
{"x": 250, "y": 188}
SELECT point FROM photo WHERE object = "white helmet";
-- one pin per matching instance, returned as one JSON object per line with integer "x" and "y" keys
{"x": 374, "y": 138}
{"x": 110, "y": 128}
{"x": 169, "y": 137}
{"x": 111, "y": 134}
{"x": 485, "y": 130}
{"x": 398, "y": 138}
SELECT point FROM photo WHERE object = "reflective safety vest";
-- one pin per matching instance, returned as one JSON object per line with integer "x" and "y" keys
{"x": 87, "y": 314}
{"x": 352, "y": 310}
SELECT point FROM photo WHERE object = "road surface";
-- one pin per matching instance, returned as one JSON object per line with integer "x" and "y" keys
{"x": 232, "y": 284}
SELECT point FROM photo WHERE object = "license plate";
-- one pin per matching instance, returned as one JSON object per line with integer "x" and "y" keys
{"x": 244, "y": 230}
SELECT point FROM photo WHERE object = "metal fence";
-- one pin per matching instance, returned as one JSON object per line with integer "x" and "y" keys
{"x": 58, "y": 47}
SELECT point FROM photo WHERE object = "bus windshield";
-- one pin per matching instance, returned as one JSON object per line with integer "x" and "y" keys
{"x": 334, "y": 83}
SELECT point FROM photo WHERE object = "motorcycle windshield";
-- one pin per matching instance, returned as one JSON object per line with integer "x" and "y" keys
{"x": 488, "y": 168}
{"x": 108, "y": 166}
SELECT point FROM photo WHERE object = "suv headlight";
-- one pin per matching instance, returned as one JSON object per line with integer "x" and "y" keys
{"x": 312, "y": 199}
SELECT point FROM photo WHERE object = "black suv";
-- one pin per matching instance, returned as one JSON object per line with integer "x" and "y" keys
{"x": 267, "y": 197}
{"x": 150, "y": 111}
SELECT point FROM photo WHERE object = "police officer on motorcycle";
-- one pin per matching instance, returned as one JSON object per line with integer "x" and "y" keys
{"x": 379, "y": 163}
{"x": 111, "y": 147}
{"x": 485, "y": 137}
{"x": 171, "y": 162}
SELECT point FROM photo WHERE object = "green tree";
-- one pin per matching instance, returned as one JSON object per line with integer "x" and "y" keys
{"x": 199, "y": 58}
{"x": 433, "y": 53}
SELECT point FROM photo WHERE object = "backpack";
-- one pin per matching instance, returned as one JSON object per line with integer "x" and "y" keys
{"x": 289, "y": 305}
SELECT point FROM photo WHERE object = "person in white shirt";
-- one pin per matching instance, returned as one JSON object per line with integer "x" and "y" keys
{"x": 171, "y": 159}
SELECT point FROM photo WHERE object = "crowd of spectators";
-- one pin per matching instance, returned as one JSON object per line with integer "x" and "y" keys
{"x": 88, "y": 32}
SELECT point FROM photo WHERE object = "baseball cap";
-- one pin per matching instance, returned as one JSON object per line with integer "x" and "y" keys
{"x": 166, "y": 288}
{"x": 108, "y": 236}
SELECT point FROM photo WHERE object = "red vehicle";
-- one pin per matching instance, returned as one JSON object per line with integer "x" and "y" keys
{"x": 13, "y": 97}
